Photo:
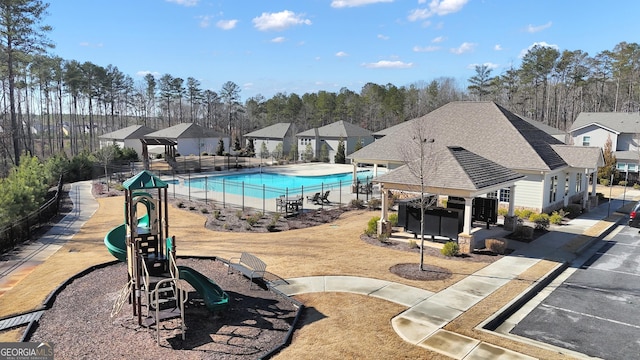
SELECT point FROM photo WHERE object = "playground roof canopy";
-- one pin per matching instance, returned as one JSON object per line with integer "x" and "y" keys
{"x": 144, "y": 180}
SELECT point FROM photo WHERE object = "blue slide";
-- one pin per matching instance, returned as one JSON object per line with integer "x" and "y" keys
{"x": 214, "y": 297}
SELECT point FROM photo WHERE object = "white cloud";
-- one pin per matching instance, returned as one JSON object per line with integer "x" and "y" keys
{"x": 383, "y": 37}
{"x": 341, "y": 54}
{"x": 497, "y": 47}
{"x": 279, "y": 21}
{"x": 439, "y": 39}
{"x": 426, "y": 48}
{"x": 227, "y": 24}
{"x": 436, "y": 7}
{"x": 184, "y": 2}
{"x": 355, "y": 3}
{"x": 385, "y": 64}
{"x": 143, "y": 73}
{"x": 534, "y": 29}
{"x": 205, "y": 21}
{"x": 542, "y": 44}
{"x": 88, "y": 44}
{"x": 279, "y": 39}
{"x": 464, "y": 48}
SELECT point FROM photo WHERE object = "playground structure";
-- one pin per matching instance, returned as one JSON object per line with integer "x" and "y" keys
{"x": 154, "y": 278}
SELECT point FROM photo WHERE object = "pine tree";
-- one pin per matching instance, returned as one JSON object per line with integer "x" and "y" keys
{"x": 220, "y": 149}
{"x": 340, "y": 158}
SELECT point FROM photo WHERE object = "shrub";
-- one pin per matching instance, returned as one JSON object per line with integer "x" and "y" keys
{"x": 449, "y": 249}
{"x": 239, "y": 214}
{"x": 541, "y": 221}
{"x": 374, "y": 203}
{"x": 413, "y": 244}
{"x": 357, "y": 204}
{"x": 622, "y": 183}
{"x": 636, "y": 186}
{"x": 393, "y": 219}
{"x": 217, "y": 168}
{"x": 572, "y": 210}
{"x": 204, "y": 210}
{"x": 192, "y": 207}
{"x": 556, "y": 218}
{"x": 383, "y": 238}
{"x": 253, "y": 220}
{"x": 503, "y": 211}
{"x": 372, "y": 226}
{"x": 216, "y": 214}
{"x": 181, "y": 205}
{"x": 497, "y": 246}
{"x": 604, "y": 182}
{"x": 523, "y": 213}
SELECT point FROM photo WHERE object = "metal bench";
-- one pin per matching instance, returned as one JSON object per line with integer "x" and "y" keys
{"x": 249, "y": 265}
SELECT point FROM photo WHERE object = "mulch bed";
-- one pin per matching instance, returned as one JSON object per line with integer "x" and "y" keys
{"x": 80, "y": 326}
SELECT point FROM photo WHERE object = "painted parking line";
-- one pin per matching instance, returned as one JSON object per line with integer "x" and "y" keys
{"x": 589, "y": 315}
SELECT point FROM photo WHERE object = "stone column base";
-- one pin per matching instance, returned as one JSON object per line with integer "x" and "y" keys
{"x": 465, "y": 243}
{"x": 510, "y": 223}
{"x": 384, "y": 228}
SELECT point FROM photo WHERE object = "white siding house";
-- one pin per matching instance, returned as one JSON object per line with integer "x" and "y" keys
{"x": 128, "y": 137}
{"x": 555, "y": 174}
{"x": 192, "y": 139}
{"x": 330, "y": 137}
{"x": 277, "y": 136}
{"x": 623, "y": 129}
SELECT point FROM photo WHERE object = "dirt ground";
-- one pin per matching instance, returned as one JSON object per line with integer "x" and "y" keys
{"x": 335, "y": 325}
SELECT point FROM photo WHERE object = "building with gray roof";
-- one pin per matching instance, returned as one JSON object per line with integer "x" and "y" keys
{"x": 278, "y": 139}
{"x": 128, "y": 137}
{"x": 623, "y": 129}
{"x": 476, "y": 149}
{"x": 310, "y": 142}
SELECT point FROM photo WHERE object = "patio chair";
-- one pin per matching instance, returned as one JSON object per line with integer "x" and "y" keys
{"x": 325, "y": 197}
{"x": 314, "y": 199}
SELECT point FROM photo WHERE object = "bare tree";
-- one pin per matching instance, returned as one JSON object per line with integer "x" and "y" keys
{"x": 421, "y": 145}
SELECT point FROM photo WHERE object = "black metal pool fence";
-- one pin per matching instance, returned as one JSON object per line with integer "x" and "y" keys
{"x": 235, "y": 193}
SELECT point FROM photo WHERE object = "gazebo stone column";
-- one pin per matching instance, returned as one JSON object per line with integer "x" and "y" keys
{"x": 465, "y": 239}
{"x": 384, "y": 225}
{"x": 510, "y": 220}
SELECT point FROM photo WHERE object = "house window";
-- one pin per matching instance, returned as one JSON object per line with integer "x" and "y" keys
{"x": 632, "y": 167}
{"x": 505, "y": 195}
{"x": 586, "y": 141}
{"x": 492, "y": 195}
{"x": 566, "y": 185}
{"x": 553, "y": 188}
{"x": 621, "y": 166}
{"x": 578, "y": 182}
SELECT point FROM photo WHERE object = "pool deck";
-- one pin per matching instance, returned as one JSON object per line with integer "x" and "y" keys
{"x": 336, "y": 197}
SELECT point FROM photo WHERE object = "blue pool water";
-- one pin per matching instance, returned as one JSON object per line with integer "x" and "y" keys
{"x": 271, "y": 185}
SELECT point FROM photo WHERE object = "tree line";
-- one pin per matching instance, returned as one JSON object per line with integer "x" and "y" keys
{"x": 52, "y": 105}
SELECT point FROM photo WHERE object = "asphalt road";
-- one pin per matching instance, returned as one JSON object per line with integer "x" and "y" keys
{"x": 596, "y": 310}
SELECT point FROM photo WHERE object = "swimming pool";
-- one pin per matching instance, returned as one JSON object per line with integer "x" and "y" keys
{"x": 272, "y": 185}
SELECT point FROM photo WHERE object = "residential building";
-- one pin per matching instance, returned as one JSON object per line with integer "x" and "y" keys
{"x": 555, "y": 174}
{"x": 311, "y": 142}
{"x": 278, "y": 139}
{"x": 623, "y": 129}
{"x": 128, "y": 137}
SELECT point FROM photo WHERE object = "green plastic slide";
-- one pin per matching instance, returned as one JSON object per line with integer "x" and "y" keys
{"x": 214, "y": 297}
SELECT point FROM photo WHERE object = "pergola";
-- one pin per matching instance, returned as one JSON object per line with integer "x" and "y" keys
{"x": 169, "y": 148}
{"x": 449, "y": 171}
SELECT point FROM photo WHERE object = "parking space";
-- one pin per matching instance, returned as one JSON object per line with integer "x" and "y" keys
{"x": 596, "y": 310}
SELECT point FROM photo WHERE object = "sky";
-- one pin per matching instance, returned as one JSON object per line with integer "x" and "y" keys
{"x": 268, "y": 47}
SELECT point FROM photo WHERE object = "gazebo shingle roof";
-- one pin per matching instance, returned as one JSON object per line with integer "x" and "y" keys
{"x": 452, "y": 167}
{"x": 484, "y": 128}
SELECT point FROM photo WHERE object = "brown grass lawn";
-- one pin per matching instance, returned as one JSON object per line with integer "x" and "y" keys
{"x": 335, "y": 325}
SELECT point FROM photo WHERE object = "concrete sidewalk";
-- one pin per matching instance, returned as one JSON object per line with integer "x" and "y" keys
{"x": 21, "y": 261}
{"x": 423, "y": 322}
